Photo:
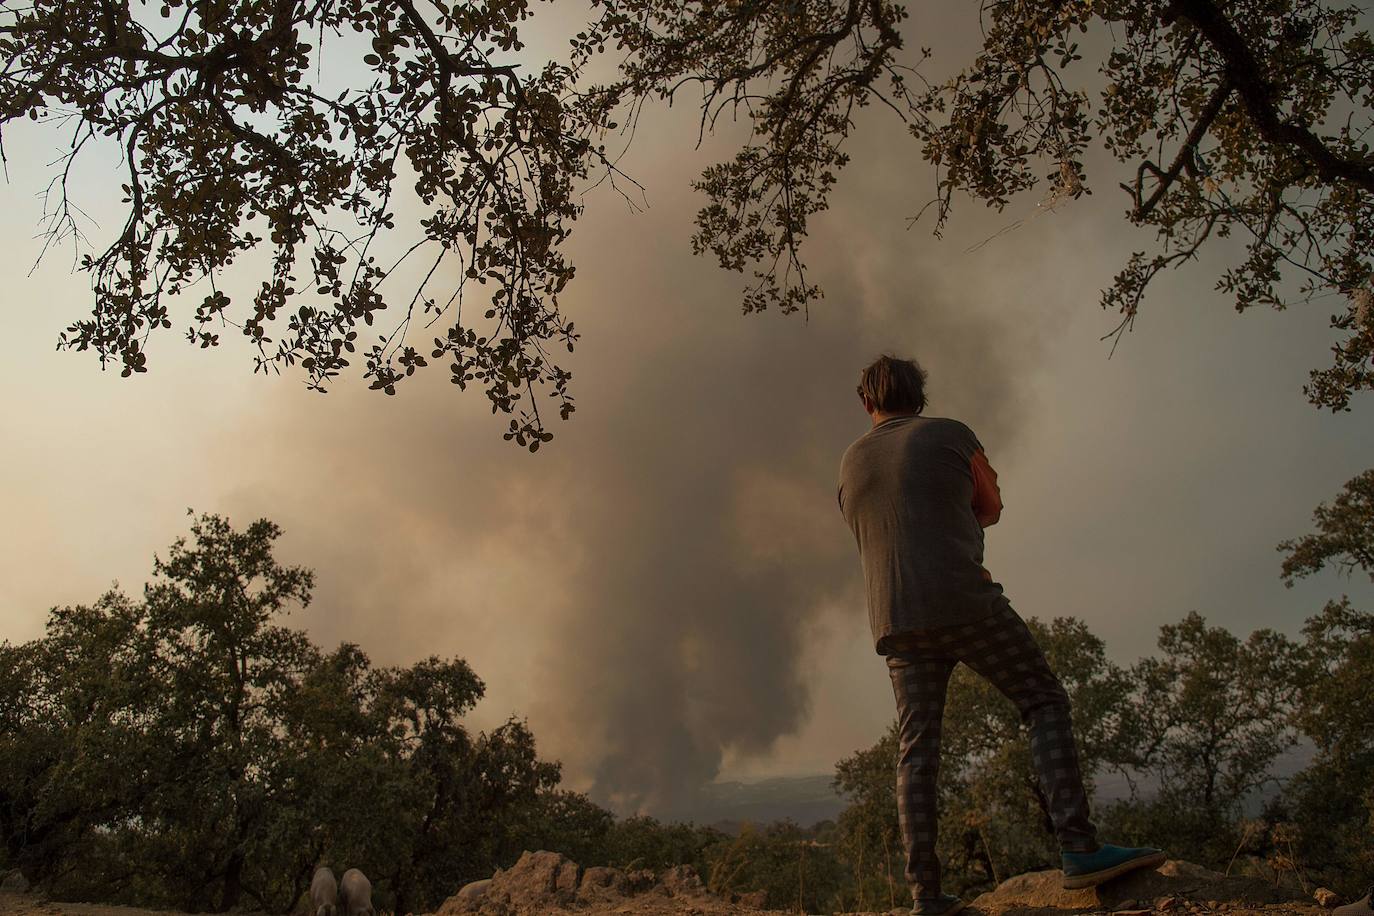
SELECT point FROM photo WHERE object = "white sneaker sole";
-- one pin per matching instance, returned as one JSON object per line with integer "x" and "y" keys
{"x": 1093, "y": 879}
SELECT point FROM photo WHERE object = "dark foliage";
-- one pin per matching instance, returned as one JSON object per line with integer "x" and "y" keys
{"x": 279, "y": 136}
{"x": 186, "y": 750}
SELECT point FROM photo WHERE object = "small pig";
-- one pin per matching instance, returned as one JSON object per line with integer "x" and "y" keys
{"x": 324, "y": 893}
{"x": 355, "y": 894}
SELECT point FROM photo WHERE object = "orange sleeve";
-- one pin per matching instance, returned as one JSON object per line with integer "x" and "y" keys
{"x": 987, "y": 498}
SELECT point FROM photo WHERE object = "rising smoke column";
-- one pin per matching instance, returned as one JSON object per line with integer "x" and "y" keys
{"x": 643, "y": 588}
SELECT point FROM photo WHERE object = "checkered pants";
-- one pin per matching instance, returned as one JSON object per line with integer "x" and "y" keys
{"x": 1001, "y": 649}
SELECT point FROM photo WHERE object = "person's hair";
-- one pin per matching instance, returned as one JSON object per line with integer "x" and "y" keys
{"x": 894, "y": 385}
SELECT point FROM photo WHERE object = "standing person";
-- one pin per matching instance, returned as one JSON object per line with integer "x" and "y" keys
{"x": 917, "y": 492}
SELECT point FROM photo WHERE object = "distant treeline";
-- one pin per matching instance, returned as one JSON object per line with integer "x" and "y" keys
{"x": 187, "y": 750}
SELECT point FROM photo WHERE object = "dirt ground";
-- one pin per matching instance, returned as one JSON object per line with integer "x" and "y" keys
{"x": 35, "y": 905}
{"x": 12, "y": 904}
{"x": 1175, "y": 889}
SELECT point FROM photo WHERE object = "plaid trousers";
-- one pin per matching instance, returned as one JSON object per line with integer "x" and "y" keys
{"x": 1001, "y": 649}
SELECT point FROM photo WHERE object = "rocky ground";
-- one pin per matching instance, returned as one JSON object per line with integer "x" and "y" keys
{"x": 27, "y": 904}
{"x": 1177, "y": 888}
{"x": 545, "y": 882}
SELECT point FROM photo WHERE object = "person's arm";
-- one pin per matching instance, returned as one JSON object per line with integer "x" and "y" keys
{"x": 987, "y": 498}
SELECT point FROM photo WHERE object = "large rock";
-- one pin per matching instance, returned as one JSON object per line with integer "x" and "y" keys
{"x": 600, "y": 884}
{"x": 474, "y": 890}
{"x": 547, "y": 882}
{"x": 1326, "y": 898}
{"x": 683, "y": 881}
{"x": 1042, "y": 891}
{"x": 15, "y": 883}
{"x": 640, "y": 880}
{"x": 540, "y": 881}
{"x": 754, "y": 900}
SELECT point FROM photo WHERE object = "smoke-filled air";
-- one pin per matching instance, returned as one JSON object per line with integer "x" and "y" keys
{"x": 633, "y": 633}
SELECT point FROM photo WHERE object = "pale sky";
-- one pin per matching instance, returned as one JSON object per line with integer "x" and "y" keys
{"x": 667, "y": 591}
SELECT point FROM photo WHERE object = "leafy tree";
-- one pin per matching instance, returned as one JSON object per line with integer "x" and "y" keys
{"x": 69, "y": 758}
{"x": 165, "y": 715}
{"x": 642, "y": 841}
{"x": 462, "y": 789}
{"x": 389, "y": 777}
{"x": 187, "y": 750}
{"x": 338, "y": 761}
{"x": 1331, "y": 799}
{"x": 1214, "y": 711}
{"x": 226, "y": 670}
{"x": 568, "y": 822}
{"x": 1242, "y": 119}
{"x": 233, "y": 139}
{"x": 1344, "y": 535}
{"x": 1339, "y": 660}
{"x": 1245, "y": 118}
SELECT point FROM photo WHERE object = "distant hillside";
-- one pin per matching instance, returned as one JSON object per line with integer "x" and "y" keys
{"x": 806, "y": 800}
{"x": 1110, "y": 787}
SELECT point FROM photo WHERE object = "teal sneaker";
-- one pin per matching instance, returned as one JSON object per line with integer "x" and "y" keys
{"x": 944, "y": 905}
{"x": 1089, "y": 869}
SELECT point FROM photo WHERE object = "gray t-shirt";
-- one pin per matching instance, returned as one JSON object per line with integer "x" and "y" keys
{"x": 906, "y": 490}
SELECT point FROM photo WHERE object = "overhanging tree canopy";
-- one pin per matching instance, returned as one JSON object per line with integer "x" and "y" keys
{"x": 1248, "y": 118}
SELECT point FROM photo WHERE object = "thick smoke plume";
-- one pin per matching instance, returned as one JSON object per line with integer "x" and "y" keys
{"x": 643, "y": 588}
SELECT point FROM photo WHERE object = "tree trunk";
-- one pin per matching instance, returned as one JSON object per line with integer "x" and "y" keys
{"x": 401, "y": 888}
{"x": 233, "y": 882}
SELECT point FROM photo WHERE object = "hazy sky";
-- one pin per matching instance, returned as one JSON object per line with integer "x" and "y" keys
{"x": 667, "y": 591}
